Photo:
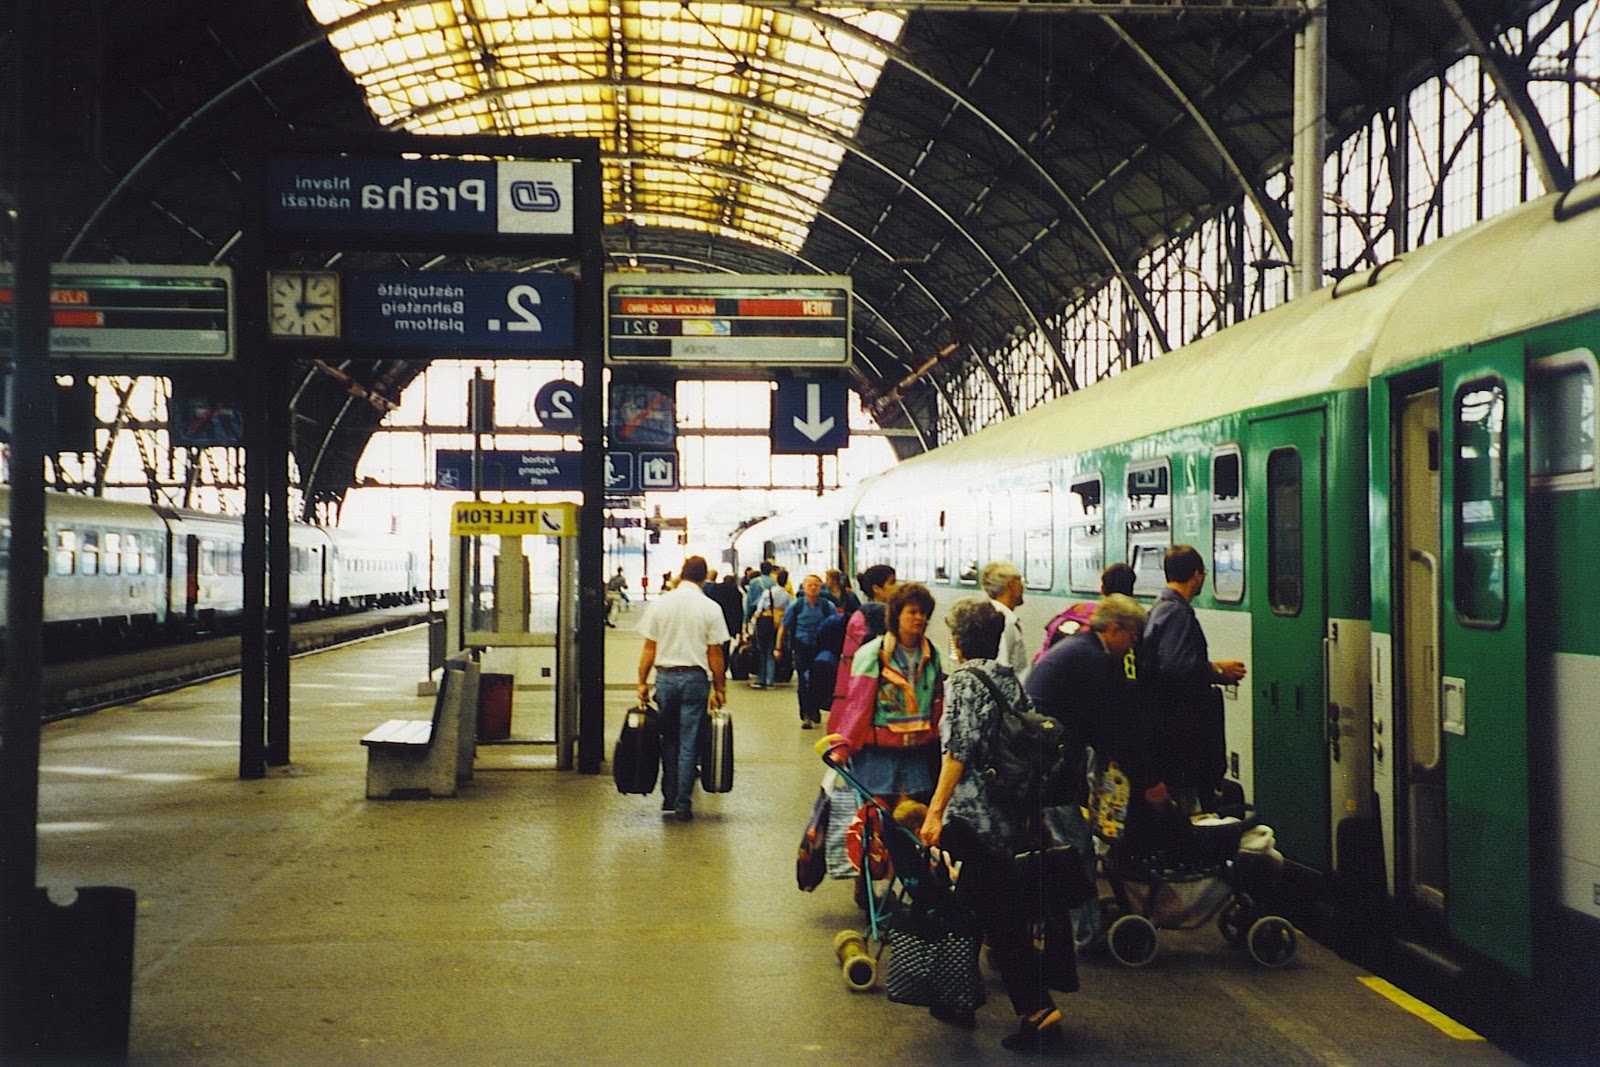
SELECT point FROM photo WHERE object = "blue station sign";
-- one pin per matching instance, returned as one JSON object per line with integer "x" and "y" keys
{"x": 507, "y": 471}
{"x": 500, "y": 311}
{"x": 810, "y": 417}
{"x": 379, "y": 194}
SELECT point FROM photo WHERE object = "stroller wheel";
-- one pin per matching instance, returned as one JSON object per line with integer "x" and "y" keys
{"x": 1236, "y": 920}
{"x": 1133, "y": 941}
{"x": 1272, "y": 941}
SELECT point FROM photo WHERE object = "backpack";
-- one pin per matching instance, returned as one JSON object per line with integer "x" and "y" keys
{"x": 1028, "y": 762}
{"x": 830, "y": 635}
{"x": 1064, "y": 626}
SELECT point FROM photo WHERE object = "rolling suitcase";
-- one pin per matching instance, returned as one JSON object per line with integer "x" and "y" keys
{"x": 716, "y": 753}
{"x": 739, "y": 660}
{"x": 637, "y": 757}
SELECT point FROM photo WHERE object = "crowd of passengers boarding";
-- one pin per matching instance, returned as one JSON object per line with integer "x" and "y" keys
{"x": 1124, "y": 719}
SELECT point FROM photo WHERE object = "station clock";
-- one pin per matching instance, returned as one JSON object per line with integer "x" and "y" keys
{"x": 303, "y": 303}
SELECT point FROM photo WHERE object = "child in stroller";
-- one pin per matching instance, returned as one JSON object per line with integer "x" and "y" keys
{"x": 1169, "y": 871}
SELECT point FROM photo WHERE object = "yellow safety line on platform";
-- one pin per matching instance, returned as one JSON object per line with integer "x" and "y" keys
{"x": 1421, "y": 1010}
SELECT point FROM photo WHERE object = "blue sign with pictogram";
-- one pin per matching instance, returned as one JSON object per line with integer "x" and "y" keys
{"x": 810, "y": 417}
{"x": 619, "y": 473}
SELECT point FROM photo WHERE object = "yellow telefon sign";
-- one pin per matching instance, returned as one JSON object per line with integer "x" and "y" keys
{"x": 474, "y": 518}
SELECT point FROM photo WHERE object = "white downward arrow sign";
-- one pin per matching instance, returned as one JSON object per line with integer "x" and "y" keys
{"x": 813, "y": 425}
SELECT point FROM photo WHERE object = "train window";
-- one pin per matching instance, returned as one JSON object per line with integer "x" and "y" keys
{"x": 208, "y": 557}
{"x": 112, "y": 564}
{"x": 1149, "y": 526}
{"x": 132, "y": 553}
{"x": 1086, "y": 552}
{"x": 1285, "y": 533}
{"x": 1038, "y": 539}
{"x": 5, "y": 544}
{"x": 1227, "y": 526}
{"x": 999, "y": 527}
{"x": 89, "y": 553}
{"x": 66, "y": 551}
{"x": 1562, "y": 428}
{"x": 1480, "y": 506}
{"x": 155, "y": 561}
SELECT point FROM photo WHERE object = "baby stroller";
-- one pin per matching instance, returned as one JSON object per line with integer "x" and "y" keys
{"x": 910, "y": 902}
{"x": 1170, "y": 872}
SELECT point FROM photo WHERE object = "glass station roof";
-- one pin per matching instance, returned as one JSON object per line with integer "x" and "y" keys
{"x": 722, "y": 118}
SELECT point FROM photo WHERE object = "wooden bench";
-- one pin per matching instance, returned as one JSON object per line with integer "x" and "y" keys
{"x": 428, "y": 757}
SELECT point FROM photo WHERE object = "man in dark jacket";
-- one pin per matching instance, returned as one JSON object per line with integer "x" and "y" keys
{"x": 1083, "y": 682}
{"x": 727, "y": 596}
{"x": 1175, "y": 663}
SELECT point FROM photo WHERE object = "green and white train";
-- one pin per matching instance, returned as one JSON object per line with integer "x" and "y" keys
{"x": 1394, "y": 481}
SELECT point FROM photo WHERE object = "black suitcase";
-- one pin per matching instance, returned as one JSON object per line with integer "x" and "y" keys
{"x": 637, "y": 758}
{"x": 716, "y": 753}
{"x": 739, "y": 660}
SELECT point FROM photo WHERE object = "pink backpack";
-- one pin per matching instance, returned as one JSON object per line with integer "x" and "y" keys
{"x": 1065, "y": 625}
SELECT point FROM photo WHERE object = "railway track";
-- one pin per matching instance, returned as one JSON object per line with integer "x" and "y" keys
{"x": 79, "y": 687}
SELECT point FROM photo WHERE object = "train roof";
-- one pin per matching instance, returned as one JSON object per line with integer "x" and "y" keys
{"x": 1515, "y": 271}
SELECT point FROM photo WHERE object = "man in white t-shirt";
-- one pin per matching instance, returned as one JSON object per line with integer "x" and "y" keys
{"x": 1002, "y": 584}
{"x": 683, "y": 635}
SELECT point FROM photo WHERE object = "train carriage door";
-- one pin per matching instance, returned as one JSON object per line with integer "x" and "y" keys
{"x": 1483, "y": 673}
{"x": 1419, "y": 596}
{"x": 1285, "y": 573}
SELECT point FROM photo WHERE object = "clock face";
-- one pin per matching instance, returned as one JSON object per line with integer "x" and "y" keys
{"x": 303, "y": 303}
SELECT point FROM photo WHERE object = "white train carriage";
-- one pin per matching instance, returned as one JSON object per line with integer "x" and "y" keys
{"x": 205, "y": 568}
{"x": 105, "y": 572}
{"x": 370, "y": 571}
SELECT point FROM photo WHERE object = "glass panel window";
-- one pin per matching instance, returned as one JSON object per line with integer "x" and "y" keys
{"x": 132, "y": 553}
{"x": 1562, "y": 428}
{"x": 112, "y": 564}
{"x": 941, "y": 549}
{"x": 1227, "y": 527}
{"x": 89, "y": 553}
{"x": 1285, "y": 535}
{"x": 1149, "y": 526}
{"x": 1038, "y": 539}
{"x": 5, "y": 545}
{"x": 998, "y": 528}
{"x": 66, "y": 551}
{"x": 208, "y": 558}
{"x": 1480, "y": 504}
{"x": 1086, "y": 545}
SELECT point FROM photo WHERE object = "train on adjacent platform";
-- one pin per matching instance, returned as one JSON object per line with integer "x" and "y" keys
{"x": 117, "y": 571}
{"x": 1394, "y": 481}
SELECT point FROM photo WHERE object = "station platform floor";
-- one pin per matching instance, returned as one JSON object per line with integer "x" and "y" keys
{"x": 540, "y": 917}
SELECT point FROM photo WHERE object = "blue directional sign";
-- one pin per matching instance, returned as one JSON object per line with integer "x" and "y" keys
{"x": 445, "y": 311}
{"x": 556, "y": 406}
{"x": 378, "y": 194}
{"x": 506, "y": 471}
{"x": 810, "y": 418}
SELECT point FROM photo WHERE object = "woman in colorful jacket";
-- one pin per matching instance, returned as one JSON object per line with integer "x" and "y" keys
{"x": 889, "y": 718}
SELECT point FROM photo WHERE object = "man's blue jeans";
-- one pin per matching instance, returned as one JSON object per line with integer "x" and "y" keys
{"x": 681, "y": 696}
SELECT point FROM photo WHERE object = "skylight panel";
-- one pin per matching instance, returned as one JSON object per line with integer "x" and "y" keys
{"x": 686, "y": 82}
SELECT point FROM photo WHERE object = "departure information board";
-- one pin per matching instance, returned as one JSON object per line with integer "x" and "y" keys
{"x": 175, "y": 312}
{"x": 728, "y": 320}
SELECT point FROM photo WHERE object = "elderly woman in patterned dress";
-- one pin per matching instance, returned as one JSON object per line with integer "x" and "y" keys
{"x": 964, "y": 820}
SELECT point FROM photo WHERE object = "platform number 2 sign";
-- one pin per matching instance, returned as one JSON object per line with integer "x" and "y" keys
{"x": 556, "y": 406}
